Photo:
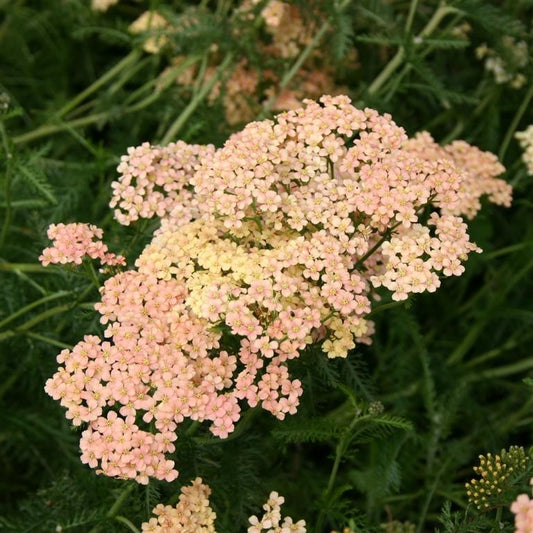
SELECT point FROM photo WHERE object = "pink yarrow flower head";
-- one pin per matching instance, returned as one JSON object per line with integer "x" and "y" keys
{"x": 522, "y": 508}
{"x": 73, "y": 242}
{"x": 192, "y": 513}
{"x": 272, "y": 520}
{"x": 279, "y": 238}
{"x": 154, "y": 181}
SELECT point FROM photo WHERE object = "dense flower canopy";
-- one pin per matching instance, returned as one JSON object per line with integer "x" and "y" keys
{"x": 277, "y": 241}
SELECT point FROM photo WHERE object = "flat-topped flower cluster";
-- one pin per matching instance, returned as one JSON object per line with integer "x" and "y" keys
{"x": 193, "y": 514}
{"x": 270, "y": 244}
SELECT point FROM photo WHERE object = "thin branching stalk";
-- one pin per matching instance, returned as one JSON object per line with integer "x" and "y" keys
{"x": 125, "y": 63}
{"x": 26, "y": 267}
{"x": 340, "y": 450}
{"x": 196, "y": 101}
{"x": 306, "y": 52}
{"x": 50, "y": 129}
{"x": 48, "y": 340}
{"x": 33, "y": 305}
{"x": 7, "y": 188}
{"x": 411, "y": 16}
{"x": 442, "y": 11}
{"x": 514, "y": 123}
{"x": 113, "y": 510}
{"x": 128, "y": 523}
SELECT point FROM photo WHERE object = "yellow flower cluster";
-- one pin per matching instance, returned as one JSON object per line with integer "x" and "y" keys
{"x": 497, "y": 473}
{"x": 526, "y": 142}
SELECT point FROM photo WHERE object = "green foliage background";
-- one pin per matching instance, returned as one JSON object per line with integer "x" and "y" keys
{"x": 406, "y": 418}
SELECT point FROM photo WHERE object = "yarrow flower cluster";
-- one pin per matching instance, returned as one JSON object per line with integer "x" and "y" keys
{"x": 496, "y": 474}
{"x": 505, "y": 65}
{"x": 522, "y": 508}
{"x": 155, "y": 181}
{"x": 102, "y": 5}
{"x": 271, "y": 521}
{"x": 192, "y": 514}
{"x": 284, "y": 33}
{"x": 72, "y": 242}
{"x": 152, "y": 25}
{"x": 526, "y": 142}
{"x": 275, "y": 242}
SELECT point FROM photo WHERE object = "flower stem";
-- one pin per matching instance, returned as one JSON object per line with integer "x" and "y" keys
{"x": 384, "y": 237}
{"x": 27, "y": 267}
{"x": 48, "y": 340}
{"x": 514, "y": 123}
{"x": 29, "y": 307}
{"x": 30, "y": 323}
{"x": 196, "y": 101}
{"x": 411, "y": 16}
{"x": 340, "y": 450}
{"x": 49, "y": 129}
{"x": 116, "y": 506}
{"x": 127, "y": 523}
{"x": 7, "y": 188}
{"x": 130, "y": 59}
{"x": 287, "y": 78}
{"x": 398, "y": 58}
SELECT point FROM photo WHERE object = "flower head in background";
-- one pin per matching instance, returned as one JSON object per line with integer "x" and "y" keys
{"x": 151, "y": 26}
{"x": 102, "y": 5}
{"x": 506, "y": 65}
{"x": 192, "y": 514}
{"x": 526, "y": 142}
{"x": 272, "y": 520}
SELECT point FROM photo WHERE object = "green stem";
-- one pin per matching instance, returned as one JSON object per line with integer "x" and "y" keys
{"x": 383, "y": 307}
{"x": 429, "y": 496}
{"x": 508, "y": 249}
{"x": 132, "y": 57}
{"x": 48, "y": 340}
{"x": 89, "y": 267}
{"x": 201, "y": 74}
{"x": 7, "y": 188}
{"x": 30, "y": 323}
{"x": 36, "y": 303}
{"x": 12, "y": 378}
{"x": 411, "y": 16}
{"x": 340, "y": 450}
{"x": 428, "y": 48}
{"x": 193, "y": 428}
{"x": 498, "y": 520}
{"x": 127, "y": 523}
{"x": 491, "y": 354}
{"x": 196, "y": 101}
{"x": 468, "y": 341}
{"x": 287, "y": 78}
{"x": 162, "y": 82}
{"x": 116, "y": 506}
{"x": 32, "y": 282}
{"x": 385, "y": 74}
{"x": 27, "y": 267}
{"x": 514, "y": 123}
{"x": 503, "y": 371}
{"x": 376, "y": 246}
{"x": 49, "y": 129}
{"x": 398, "y": 58}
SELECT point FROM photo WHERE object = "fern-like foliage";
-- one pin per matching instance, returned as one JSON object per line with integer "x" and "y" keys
{"x": 491, "y": 17}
